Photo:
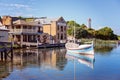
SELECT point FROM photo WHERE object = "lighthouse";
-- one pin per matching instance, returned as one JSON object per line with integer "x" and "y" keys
{"x": 89, "y": 23}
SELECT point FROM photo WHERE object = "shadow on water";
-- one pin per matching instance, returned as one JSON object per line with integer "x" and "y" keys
{"x": 28, "y": 58}
{"x": 104, "y": 49}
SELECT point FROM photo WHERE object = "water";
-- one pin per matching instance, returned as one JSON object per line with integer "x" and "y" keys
{"x": 55, "y": 64}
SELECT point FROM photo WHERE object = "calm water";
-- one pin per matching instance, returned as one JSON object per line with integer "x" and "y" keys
{"x": 55, "y": 64}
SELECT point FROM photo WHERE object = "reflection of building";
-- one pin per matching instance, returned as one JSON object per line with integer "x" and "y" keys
{"x": 46, "y": 59}
{"x": 42, "y": 59}
{"x": 54, "y": 59}
{"x": 5, "y": 69}
{"x": 55, "y": 27}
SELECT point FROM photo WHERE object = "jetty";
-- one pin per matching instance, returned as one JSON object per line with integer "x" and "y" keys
{"x": 6, "y": 51}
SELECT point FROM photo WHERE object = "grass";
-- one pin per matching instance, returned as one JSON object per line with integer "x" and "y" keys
{"x": 118, "y": 37}
{"x": 99, "y": 41}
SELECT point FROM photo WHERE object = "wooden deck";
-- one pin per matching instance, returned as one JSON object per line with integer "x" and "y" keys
{"x": 6, "y": 51}
{"x": 51, "y": 45}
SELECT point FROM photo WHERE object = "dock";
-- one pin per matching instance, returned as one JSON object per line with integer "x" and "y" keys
{"x": 6, "y": 51}
{"x": 51, "y": 45}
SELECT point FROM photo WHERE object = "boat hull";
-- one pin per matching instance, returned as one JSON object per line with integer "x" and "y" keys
{"x": 88, "y": 50}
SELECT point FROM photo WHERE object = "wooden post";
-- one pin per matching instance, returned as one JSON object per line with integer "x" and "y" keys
{"x": 5, "y": 54}
{"x": 1, "y": 55}
{"x": 11, "y": 51}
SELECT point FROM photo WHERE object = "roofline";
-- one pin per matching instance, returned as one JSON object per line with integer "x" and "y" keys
{"x": 25, "y": 25}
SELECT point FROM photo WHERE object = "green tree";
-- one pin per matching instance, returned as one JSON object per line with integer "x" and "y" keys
{"x": 83, "y": 26}
{"x": 81, "y": 33}
{"x": 105, "y": 33}
{"x": 71, "y": 25}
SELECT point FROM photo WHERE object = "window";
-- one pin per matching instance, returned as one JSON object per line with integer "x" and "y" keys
{"x": 18, "y": 27}
{"x": 61, "y": 28}
{"x": 25, "y": 38}
{"x": 58, "y": 28}
{"x": 58, "y": 35}
{"x": 24, "y": 27}
{"x": 61, "y": 36}
{"x": 64, "y": 28}
{"x": 64, "y": 36}
{"x": 40, "y": 29}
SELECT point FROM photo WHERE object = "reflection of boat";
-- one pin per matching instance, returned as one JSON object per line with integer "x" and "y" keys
{"x": 84, "y": 59}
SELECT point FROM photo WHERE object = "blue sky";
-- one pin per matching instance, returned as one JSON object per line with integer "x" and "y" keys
{"x": 102, "y": 12}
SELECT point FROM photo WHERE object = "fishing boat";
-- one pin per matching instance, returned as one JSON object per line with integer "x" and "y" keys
{"x": 87, "y": 60}
{"x": 72, "y": 46}
{"x": 83, "y": 48}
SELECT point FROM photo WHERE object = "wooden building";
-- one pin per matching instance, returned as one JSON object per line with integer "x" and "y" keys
{"x": 25, "y": 33}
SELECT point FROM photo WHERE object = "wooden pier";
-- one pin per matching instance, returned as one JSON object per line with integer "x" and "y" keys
{"x": 6, "y": 51}
{"x": 51, "y": 45}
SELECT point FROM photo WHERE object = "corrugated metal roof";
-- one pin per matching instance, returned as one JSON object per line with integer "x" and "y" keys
{"x": 23, "y": 22}
{"x": 46, "y": 20}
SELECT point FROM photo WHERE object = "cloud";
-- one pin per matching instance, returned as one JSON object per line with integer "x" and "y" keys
{"x": 15, "y": 5}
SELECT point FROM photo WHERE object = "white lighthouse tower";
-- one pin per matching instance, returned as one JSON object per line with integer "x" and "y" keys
{"x": 89, "y": 23}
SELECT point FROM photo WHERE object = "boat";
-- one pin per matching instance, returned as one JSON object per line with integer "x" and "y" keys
{"x": 74, "y": 47}
{"x": 87, "y": 60}
{"x": 83, "y": 48}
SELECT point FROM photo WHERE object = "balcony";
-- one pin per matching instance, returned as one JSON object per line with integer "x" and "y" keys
{"x": 23, "y": 31}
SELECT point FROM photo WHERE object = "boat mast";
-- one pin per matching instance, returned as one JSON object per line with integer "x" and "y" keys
{"x": 74, "y": 32}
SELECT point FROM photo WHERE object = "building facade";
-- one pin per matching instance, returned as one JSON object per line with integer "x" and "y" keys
{"x": 56, "y": 28}
{"x": 39, "y": 31}
{"x": 25, "y": 33}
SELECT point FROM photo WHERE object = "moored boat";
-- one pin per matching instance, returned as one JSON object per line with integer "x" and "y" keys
{"x": 83, "y": 49}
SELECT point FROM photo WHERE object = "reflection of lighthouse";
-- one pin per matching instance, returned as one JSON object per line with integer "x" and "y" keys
{"x": 89, "y": 22}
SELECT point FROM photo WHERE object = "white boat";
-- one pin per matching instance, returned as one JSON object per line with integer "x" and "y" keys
{"x": 76, "y": 48}
{"x": 87, "y": 60}
{"x": 83, "y": 49}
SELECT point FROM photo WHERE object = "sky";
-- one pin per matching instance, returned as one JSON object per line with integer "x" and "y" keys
{"x": 102, "y": 12}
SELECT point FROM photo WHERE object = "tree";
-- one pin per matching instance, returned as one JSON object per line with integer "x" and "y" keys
{"x": 71, "y": 25}
{"x": 106, "y": 33}
{"x": 83, "y": 26}
{"x": 81, "y": 33}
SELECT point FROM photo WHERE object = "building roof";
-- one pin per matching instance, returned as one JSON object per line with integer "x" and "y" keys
{"x": 23, "y": 22}
{"x": 45, "y": 20}
{"x": 3, "y": 28}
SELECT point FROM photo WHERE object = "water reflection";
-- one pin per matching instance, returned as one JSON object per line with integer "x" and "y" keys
{"x": 41, "y": 58}
{"x": 88, "y": 60}
{"x": 104, "y": 48}
{"x": 44, "y": 58}
{"x": 5, "y": 68}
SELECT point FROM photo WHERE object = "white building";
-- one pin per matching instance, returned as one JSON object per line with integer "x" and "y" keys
{"x": 3, "y": 33}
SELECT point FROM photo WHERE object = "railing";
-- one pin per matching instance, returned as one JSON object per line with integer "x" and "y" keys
{"x": 23, "y": 30}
